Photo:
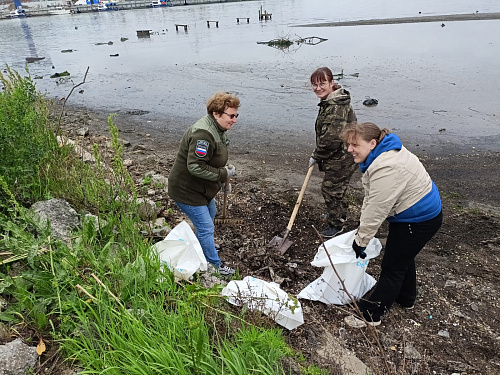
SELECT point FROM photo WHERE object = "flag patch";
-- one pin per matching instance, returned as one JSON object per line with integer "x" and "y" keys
{"x": 201, "y": 148}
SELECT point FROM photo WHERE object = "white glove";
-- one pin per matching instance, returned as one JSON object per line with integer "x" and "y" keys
{"x": 312, "y": 161}
{"x": 223, "y": 188}
{"x": 231, "y": 171}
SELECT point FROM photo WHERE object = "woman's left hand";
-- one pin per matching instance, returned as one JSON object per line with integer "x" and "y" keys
{"x": 360, "y": 251}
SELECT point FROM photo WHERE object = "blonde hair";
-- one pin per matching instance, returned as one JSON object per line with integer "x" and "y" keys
{"x": 365, "y": 131}
{"x": 222, "y": 101}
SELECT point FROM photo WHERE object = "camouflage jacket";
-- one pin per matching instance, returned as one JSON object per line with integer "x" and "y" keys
{"x": 198, "y": 170}
{"x": 334, "y": 113}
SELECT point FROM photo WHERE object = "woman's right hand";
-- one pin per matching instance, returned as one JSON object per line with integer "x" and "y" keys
{"x": 231, "y": 170}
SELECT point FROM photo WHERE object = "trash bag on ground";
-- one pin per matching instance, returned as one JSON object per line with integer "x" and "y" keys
{"x": 266, "y": 297}
{"x": 181, "y": 252}
{"x": 328, "y": 288}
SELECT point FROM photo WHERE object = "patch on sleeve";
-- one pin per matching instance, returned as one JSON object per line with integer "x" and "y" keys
{"x": 201, "y": 148}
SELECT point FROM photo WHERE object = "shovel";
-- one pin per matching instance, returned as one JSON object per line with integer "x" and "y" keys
{"x": 283, "y": 243}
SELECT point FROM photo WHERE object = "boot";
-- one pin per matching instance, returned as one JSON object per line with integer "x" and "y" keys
{"x": 330, "y": 231}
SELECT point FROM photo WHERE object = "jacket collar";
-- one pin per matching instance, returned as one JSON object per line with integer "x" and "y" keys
{"x": 389, "y": 142}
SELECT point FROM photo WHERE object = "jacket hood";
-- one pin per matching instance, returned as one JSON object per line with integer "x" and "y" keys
{"x": 389, "y": 142}
{"x": 339, "y": 96}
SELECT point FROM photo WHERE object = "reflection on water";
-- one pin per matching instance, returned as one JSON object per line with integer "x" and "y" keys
{"x": 418, "y": 72}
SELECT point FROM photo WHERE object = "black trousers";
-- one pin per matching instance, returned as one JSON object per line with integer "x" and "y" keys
{"x": 398, "y": 278}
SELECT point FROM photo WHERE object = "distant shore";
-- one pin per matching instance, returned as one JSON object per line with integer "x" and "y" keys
{"x": 391, "y": 21}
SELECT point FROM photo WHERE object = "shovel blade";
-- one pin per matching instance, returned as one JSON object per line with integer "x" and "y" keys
{"x": 281, "y": 244}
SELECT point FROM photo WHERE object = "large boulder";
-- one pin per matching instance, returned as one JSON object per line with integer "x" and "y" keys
{"x": 16, "y": 358}
{"x": 61, "y": 216}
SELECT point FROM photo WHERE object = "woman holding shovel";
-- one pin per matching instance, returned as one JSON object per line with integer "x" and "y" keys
{"x": 399, "y": 189}
{"x": 335, "y": 111}
{"x": 200, "y": 170}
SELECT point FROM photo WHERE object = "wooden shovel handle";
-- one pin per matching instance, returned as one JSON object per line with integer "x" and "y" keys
{"x": 224, "y": 206}
{"x": 299, "y": 199}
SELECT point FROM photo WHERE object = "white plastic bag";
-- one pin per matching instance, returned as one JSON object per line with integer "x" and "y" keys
{"x": 181, "y": 252}
{"x": 266, "y": 297}
{"x": 328, "y": 288}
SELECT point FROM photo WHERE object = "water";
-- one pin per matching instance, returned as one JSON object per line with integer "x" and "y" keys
{"x": 433, "y": 83}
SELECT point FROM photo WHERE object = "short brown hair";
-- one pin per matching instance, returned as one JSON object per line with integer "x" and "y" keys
{"x": 365, "y": 131}
{"x": 222, "y": 101}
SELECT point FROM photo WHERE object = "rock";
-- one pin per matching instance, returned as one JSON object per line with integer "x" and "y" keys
{"x": 444, "y": 333}
{"x": 3, "y": 303}
{"x": 62, "y": 74}
{"x": 95, "y": 219}
{"x": 159, "y": 181}
{"x": 370, "y": 102}
{"x": 33, "y": 59}
{"x": 146, "y": 208}
{"x": 16, "y": 358}
{"x": 61, "y": 216}
{"x": 128, "y": 162}
{"x": 411, "y": 352}
{"x": 83, "y": 131}
{"x": 160, "y": 222}
{"x": 125, "y": 143}
{"x": 5, "y": 333}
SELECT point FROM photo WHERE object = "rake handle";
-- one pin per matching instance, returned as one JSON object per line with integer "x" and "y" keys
{"x": 224, "y": 205}
{"x": 299, "y": 199}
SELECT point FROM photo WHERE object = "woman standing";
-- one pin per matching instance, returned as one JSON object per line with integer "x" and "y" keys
{"x": 200, "y": 170}
{"x": 335, "y": 111}
{"x": 399, "y": 189}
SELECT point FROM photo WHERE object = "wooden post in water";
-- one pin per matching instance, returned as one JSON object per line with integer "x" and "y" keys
{"x": 185, "y": 27}
{"x": 263, "y": 15}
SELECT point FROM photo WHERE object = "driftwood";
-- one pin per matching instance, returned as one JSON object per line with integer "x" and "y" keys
{"x": 283, "y": 43}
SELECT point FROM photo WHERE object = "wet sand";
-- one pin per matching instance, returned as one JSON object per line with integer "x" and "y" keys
{"x": 392, "y": 21}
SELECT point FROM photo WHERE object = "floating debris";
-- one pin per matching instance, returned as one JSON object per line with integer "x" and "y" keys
{"x": 57, "y": 75}
{"x": 285, "y": 43}
{"x": 33, "y": 59}
{"x": 370, "y": 102}
{"x": 312, "y": 40}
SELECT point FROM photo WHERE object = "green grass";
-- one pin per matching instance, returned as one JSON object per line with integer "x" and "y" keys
{"x": 104, "y": 296}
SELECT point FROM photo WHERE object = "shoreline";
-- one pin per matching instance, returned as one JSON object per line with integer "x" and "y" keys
{"x": 393, "y": 21}
{"x": 281, "y": 165}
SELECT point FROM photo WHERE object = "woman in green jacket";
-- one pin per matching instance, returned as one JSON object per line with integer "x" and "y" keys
{"x": 200, "y": 170}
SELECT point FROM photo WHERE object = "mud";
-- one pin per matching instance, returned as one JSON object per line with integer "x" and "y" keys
{"x": 454, "y": 327}
{"x": 393, "y": 21}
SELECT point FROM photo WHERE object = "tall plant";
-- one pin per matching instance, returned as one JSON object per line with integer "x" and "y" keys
{"x": 27, "y": 142}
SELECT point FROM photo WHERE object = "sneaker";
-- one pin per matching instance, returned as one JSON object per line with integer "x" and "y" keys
{"x": 225, "y": 270}
{"x": 330, "y": 231}
{"x": 354, "y": 322}
{"x": 407, "y": 307}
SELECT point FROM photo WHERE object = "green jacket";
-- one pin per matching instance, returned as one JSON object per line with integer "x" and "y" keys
{"x": 334, "y": 113}
{"x": 198, "y": 170}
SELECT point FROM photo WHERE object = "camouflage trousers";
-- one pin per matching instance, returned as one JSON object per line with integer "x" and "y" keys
{"x": 338, "y": 173}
